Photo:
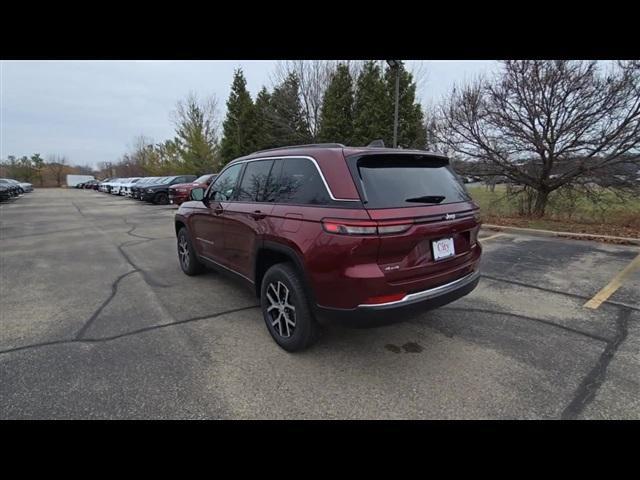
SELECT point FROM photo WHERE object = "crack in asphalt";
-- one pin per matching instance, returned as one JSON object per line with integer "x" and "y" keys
{"x": 548, "y": 290}
{"x": 590, "y": 385}
{"x": 125, "y": 334}
{"x": 533, "y": 319}
{"x": 133, "y": 227}
{"x": 114, "y": 290}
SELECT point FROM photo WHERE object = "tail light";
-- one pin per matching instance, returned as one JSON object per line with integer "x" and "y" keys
{"x": 365, "y": 227}
{"x": 473, "y": 239}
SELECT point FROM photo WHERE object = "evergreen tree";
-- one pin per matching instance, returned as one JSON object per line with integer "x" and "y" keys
{"x": 336, "y": 119}
{"x": 264, "y": 137}
{"x": 411, "y": 131}
{"x": 287, "y": 119}
{"x": 196, "y": 139}
{"x": 239, "y": 127}
{"x": 370, "y": 106}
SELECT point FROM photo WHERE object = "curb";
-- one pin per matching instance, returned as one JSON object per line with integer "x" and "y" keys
{"x": 550, "y": 233}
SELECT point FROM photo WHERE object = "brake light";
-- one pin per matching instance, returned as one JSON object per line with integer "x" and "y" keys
{"x": 385, "y": 298}
{"x": 365, "y": 227}
{"x": 350, "y": 227}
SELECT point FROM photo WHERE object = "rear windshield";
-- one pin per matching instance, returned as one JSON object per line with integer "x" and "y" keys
{"x": 391, "y": 181}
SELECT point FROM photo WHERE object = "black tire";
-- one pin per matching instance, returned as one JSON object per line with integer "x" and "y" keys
{"x": 305, "y": 329}
{"x": 187, "y": 257}
{"x": 161, "y": 198}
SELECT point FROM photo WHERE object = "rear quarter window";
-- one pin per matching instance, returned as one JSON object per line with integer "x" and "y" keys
{"x": 300, "y": 183}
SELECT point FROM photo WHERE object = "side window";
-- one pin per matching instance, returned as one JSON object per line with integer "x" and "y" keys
{"x": 178, "y": 180}
{"x": 254, "y": 181}
{"x": 222, "y": 189}
{"x": 301, "y": 183}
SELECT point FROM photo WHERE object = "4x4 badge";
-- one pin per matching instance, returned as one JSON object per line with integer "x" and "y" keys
{"x": 450, "y": 216}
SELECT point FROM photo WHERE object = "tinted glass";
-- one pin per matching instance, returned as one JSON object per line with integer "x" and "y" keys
{"x": 253, "y": 181}
{"x": 392, "y": 181}
{"x": 301, "y": 183}
{"x": 272, "y": 186}
{"x": 222, "y": 188}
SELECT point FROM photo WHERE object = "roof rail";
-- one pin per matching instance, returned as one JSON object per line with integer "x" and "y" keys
{"x": 309, "y": 145}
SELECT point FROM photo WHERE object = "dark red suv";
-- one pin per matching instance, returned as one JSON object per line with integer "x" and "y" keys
{"x": 328, "y": 231}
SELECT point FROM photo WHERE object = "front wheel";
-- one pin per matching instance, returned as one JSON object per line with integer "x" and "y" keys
{"x": 161, "y": 198}
{"x": 189, "y": 261}
{"x": 285, "y": 308}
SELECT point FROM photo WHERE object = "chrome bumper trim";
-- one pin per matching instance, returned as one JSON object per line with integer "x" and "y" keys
{"x": 426, "y": 294}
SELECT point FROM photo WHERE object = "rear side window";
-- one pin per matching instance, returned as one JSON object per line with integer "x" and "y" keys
{"x": 254, "y": 181}
{"x": 300, "y": 183}
{"x": 391, "y": 181}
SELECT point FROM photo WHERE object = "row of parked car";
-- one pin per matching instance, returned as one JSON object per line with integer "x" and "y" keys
{"x": 173, "y": 189}
{"x": 10, "y": 188}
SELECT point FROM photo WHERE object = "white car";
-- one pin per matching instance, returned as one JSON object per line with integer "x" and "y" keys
{"x": 27, "y": 187}
{"x": 125, "y": 189}
{"x": 116, "y": 187}
{"x": 106, "y": 186}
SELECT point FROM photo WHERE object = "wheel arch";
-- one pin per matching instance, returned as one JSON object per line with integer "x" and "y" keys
{"x": 271, "y": 253}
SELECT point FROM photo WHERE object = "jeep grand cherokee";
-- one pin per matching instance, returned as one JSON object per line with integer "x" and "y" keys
{"x": 328, "y": 230}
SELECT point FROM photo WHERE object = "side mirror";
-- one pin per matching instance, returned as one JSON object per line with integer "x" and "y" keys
{"x": 197, "y": 194}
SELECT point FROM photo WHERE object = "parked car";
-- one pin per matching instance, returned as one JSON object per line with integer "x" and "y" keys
{"x": 136, "y": 189}
{"x": 26, "y": 186}
{"x": 117, "y": 186}
{"x": 158, "y": 193}
{"x": 126, "y": 186}
{"x": 14, "y": 188}
{"x": 331, "y": 232}
{"x": 107, "y": 185}
{"x": 5, "y": 192}
{"x": 180, "y": 192}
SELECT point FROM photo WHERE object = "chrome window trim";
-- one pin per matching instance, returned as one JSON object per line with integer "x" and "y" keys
{"x": 313, "y": 160}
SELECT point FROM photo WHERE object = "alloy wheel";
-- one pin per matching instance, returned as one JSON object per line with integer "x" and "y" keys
{"x": 281, "y": 312}
{"x": 183, "y": 252}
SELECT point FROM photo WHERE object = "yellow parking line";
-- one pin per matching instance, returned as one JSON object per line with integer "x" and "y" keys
{"x": 491, "y": 237}
{"x": 613, "y": 285}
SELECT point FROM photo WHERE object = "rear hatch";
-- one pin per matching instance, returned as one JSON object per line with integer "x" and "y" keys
{"x": 426, "y": 219}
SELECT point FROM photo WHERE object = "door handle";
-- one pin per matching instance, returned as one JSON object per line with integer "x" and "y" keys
{"x": 258, "y": 215}
{"x": 218, "y": 210}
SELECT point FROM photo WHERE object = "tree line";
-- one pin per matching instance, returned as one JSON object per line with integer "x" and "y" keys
{"x": 40, "y": 172}
{"x": 310, "y": 102}
{"x": 546, "y": 126}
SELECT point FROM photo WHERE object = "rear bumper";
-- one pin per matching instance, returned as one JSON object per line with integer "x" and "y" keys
{"x": 385, "y": 313}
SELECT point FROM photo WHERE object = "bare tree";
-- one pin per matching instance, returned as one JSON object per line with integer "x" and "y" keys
{"x": 546, "y": 124}
{"x": 314, "y": 77}
{"x": 56, "y": 165}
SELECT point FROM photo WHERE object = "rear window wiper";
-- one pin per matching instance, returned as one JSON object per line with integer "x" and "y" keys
{"x": 426, "y": 199}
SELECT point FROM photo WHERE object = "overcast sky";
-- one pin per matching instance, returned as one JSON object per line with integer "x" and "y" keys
{"x": 91, "y": 111}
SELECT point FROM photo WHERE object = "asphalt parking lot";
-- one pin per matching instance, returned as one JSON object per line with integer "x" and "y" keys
{"x": 98, "y": 321}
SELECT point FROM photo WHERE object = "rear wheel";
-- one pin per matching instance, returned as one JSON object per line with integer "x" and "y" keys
{"x": 189, "y": 261}
{"x": 285, "y": 308}
{"x": 161, "y": 198}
